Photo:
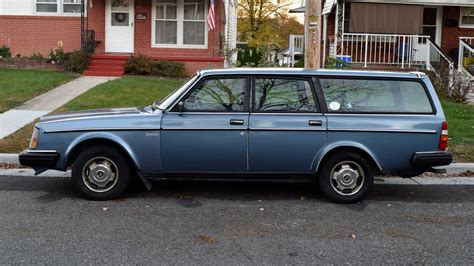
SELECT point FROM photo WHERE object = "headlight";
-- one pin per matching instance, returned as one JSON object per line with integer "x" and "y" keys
{"x": 34, "y": 139}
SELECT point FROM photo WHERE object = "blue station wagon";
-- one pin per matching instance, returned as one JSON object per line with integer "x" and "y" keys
{"x": 335, "y": 128}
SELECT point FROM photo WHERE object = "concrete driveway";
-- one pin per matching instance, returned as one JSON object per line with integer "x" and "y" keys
{"x": 43, "y": 221}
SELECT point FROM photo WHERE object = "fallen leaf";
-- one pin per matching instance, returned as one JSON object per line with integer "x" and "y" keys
{"x": 207, "y": 239}
{"x": 353, "y": 236}
{"x": 104, "y": 209}
{"x": 262, "y": 209}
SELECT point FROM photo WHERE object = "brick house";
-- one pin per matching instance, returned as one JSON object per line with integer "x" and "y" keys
{"x": 175, "y": 30}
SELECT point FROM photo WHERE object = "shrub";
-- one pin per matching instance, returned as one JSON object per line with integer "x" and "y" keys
{"x": 37, "y": 56}
{"x": 139, "y": 65}
{"x": 143, "y": 65}
{"x": 169, "y": 69}
{"x": 337, "y": 63}
{"x": 5, "y": 52}
{"x": 57, "y": 55}
{"x": 300, "y": 63}
{"x": 77, "y": 61}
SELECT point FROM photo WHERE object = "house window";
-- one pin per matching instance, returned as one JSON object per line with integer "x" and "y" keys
{"x": 47, "y": 6}
{"x": 72, "y": 6}
{"x": 467, "y": 17}
{"x": 61, "y": 7}
{"x": 179, "y": 23}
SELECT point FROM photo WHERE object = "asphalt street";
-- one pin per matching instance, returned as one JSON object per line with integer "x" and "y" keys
{"x": 43, "y": 221}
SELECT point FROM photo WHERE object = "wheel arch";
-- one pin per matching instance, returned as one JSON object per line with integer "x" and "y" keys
{"x": 346, "y": 146}
{"x": 104, "y": 138}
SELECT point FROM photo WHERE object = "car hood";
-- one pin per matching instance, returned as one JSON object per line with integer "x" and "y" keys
{"x": 102, "y": 119}
{"x": 91, "y": 114}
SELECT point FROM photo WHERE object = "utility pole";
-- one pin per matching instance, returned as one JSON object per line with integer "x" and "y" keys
{"x": 312, "y": 22}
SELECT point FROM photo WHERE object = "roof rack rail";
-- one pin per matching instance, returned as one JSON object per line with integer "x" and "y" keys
{"x": 418, "y": 73}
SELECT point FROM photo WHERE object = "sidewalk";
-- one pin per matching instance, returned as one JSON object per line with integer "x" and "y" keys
{"x": 19, "y": 117}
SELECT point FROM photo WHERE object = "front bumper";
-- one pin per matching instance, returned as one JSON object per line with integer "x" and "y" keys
{"x": 38, "y": 158}
{"x": 431, "y": 159}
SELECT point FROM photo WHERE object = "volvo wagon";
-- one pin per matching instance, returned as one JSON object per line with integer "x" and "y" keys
{"x": 336, "y": 129}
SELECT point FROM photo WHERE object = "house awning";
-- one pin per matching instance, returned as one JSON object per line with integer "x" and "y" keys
{"x": 298, "y": 10}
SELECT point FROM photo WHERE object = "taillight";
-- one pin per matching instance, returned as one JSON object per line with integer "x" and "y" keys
{"x": 443, "y": 140}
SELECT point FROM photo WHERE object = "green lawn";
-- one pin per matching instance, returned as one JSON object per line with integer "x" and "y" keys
{"x": 139, "y": 91}
{"x": 461, "y": 130}
{"x": 124, "y": 92}
{"x": 19, "y": 85}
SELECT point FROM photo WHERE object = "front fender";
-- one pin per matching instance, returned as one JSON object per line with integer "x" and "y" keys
{"x": 110, "y": 136}
{"x": 350, "y": 144}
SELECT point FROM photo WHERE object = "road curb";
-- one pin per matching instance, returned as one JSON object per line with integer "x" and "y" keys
{"x": 415, "y": 181}
{"x": 9, "y": 158}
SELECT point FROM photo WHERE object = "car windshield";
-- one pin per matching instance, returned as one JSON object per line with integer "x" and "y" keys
{"x": 163, "y": 104}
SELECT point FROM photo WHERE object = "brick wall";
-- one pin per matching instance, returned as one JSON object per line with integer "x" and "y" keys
{"x": 39, "y": 34}
{"x": 450, "y": 35}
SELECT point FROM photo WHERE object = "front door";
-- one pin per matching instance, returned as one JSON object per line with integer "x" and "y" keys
{"x": 286, "y": 126}
{"x": 432, "y": 23}
{"x": 208, "y": 133}
{"x": 119, "y": 21}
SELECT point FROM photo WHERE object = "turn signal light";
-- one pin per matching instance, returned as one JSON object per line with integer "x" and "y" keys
{"x": 443, "y": 140}
{"x": 34, "y": 139}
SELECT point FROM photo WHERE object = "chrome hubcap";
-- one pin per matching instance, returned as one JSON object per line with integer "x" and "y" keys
{"x": 100, "y": 174}
{"x": 347, "y": 178}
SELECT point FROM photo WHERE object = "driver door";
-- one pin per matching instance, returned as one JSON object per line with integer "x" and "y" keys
{"x": 207, "y": 130}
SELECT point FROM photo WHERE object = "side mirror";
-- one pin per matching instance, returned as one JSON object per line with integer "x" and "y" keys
{"x": 181, "y": 107}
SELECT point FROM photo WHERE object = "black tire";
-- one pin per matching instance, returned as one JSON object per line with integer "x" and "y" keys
{"x": 327, "y": 184}
{"x": 107, "y": 156}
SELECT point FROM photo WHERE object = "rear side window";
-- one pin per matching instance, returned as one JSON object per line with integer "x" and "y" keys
{"x": 375, "y": 96}
{"x": 289, "y": 95}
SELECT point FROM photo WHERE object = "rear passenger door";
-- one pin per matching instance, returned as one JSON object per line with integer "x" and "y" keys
{"x": 286, "y": 127}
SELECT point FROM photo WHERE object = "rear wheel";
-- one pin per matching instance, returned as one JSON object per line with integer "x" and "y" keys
{"x": 101, "y": 173}
{"x": 346, "y": 177}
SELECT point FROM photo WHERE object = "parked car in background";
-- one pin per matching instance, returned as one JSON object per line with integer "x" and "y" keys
{"x": 334, "y": 128}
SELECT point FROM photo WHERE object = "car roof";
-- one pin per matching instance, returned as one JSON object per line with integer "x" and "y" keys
{"x": 309, "y": 72}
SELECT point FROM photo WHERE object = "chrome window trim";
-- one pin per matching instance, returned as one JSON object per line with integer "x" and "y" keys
{"x": 375, "y": 114}
{"x": 208, "y": 113}
{"x": 288, "y": 114}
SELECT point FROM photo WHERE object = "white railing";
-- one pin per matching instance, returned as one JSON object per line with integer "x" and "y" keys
{"x": 466, "y": 55}
{"x": 296, "y": 46}
{"x": 384, "y": 49}
{"x": 441, "y": 64}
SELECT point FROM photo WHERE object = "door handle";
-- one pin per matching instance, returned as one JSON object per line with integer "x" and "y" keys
{"x": 315, "y": 123}
{"x": 237, "y": 122}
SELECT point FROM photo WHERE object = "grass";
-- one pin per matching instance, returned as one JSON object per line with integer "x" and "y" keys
{"x": 136, "y": 91}
{"x": 124, "y": 92}
{"x": 460, "y": 119}
{"x": 20, "y": 85}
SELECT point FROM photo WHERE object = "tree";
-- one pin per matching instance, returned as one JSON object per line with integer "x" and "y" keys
{"x": 263, "y": 23}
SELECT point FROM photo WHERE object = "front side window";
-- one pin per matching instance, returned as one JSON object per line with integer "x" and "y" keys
{"x": 467, "y": 17}
{"x": 180, "y": 23}
{"x": 284, "y": 95}
{"x": 47, "y": 6}
{"x": 217, "y": 95}
{"x": 375, "y": 96}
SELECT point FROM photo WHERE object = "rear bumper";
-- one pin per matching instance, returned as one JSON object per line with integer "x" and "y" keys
{"x": 430, "y": 159}
{"x": 39, "y": 159}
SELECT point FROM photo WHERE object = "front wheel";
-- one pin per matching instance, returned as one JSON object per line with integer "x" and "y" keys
{"x": 346, "y": 177}
{"x": 101, "y": 173}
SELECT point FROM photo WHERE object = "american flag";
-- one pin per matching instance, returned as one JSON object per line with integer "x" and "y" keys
{"x": 210, "y": 18}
